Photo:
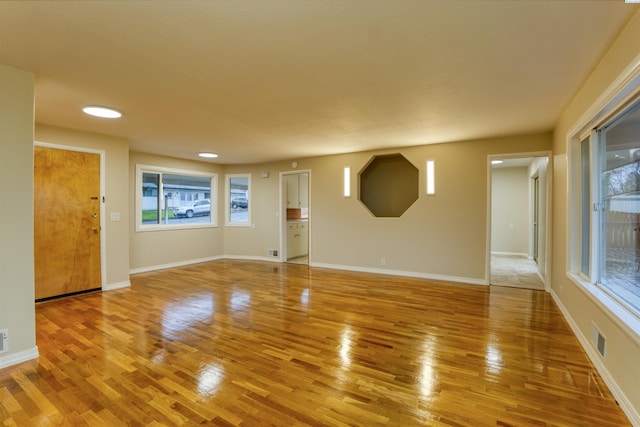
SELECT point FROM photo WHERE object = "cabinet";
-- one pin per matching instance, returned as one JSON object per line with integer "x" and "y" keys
{"x": 298, "y": 190}
{"x": 297, "y": 239}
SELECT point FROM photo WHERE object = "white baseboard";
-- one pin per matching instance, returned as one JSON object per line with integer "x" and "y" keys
{"x": 523, "y": 255}
{"x": 174, "y": 264}
{"x": 19, "y": 357}
{"x": 253, "y": 258}
{"x": 465, "y": 280}
{"x": 119, "y": 285}
{"x": 456, "y": 279}
{"x": 596, "y": 359}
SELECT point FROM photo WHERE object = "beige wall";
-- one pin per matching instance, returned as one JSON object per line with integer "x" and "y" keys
{"x": 623, "y": 349}
{"x": 153, "y": 249}
{"x": 116, "y": 192}
{"x": 264, "y": 231}
{"x": 17, "y": 311}
{"x": 435, "y": 234}
{"x": 429, "y": 240}
{"x": 510, "y": 210}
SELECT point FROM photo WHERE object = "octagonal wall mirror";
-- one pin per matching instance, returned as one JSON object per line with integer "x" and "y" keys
{"x": 388, "y": 185}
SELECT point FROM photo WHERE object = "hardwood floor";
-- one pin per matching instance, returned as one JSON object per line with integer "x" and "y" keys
{"x": 256, "y": 344}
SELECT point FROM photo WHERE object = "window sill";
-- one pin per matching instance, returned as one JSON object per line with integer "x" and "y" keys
{"x": 154, "y": 227}
{"x": 622, "y": 317}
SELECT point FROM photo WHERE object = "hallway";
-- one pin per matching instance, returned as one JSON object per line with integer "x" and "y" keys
{"x": 515, "y": 271}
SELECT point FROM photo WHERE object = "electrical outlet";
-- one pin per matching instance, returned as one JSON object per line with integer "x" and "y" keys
{"x": 383, "y": 261}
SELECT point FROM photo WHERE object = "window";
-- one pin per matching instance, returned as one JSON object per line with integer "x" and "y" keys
{"x": 238, "y": 196}
{"x": 619, "y": 207}
{"x": 169, "y": 198}
{"x": 609, "y": 208}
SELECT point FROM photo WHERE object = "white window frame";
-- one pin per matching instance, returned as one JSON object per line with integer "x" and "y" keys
{"x": 141, "y": 169}
{"x": 227, "y": 201}
{"x": 621, "y": 94}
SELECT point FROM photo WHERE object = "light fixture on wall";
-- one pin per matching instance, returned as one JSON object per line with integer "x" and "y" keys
{"x": 208, "y": 155}
{"x": 102, "y": 112}
{"x": 431, "y": 177}
{"x": 347, "y": 182}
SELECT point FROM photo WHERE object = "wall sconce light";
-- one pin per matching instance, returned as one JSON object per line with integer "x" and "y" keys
{"x": 347, "y": 182}
{"x": 431, "y": 172}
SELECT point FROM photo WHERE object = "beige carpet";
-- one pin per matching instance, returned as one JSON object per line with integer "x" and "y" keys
{"x": 515, "y": 271}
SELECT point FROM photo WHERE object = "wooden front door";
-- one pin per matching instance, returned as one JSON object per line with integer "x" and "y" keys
{"x": 66, "y": 222}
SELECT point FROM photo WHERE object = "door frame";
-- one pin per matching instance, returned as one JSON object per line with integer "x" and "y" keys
{"x": 283, "y": 212}
{"x": 535, "y": 182}
{"x": 103, "y": 240}
{"x": 547, "y": 214}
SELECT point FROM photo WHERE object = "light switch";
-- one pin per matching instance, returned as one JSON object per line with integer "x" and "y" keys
{"x": 115, "y": 216}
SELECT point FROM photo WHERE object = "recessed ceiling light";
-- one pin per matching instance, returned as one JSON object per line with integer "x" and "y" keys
{"x": 208, "y": 155}
{"x": 496, "y": 162}
{"x": 103, "y": 112}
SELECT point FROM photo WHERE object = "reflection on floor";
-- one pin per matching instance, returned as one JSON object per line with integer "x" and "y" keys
{"x": 299, "y": 260}
{"x": 515, "y": 271}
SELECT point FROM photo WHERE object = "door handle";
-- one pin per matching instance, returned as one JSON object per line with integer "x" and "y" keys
{"x": 95, "y": 229}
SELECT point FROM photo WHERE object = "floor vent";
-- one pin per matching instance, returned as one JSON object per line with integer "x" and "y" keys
{"x": 598, "y": 340}
{"x": 4, "y": 341}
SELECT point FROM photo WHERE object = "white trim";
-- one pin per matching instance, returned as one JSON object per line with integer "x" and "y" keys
{"x": 227, "y": 200}
{"x": 119, "y": 285}
{"x": 598, "y": 362}
{"x": 628, "y": 323}
{"x": 512, "y": 254}
{"x": 613, "y": 99}
{"x": 174, "y": 264}
{"x": 213, "y": 197}
{"x": 253, "y": 258}
{"x": 19, "y": 357}
{"x": 103, "y": 180}
{"x": 418, "y": 275}
{"x": 283, "y": 213}
{"x": 544, "y": 276}
{"x": 456, "y": 279}
{"x": 618, "y": 96}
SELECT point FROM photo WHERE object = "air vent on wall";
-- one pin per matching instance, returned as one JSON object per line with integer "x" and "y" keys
{"x": 598, "y": 340}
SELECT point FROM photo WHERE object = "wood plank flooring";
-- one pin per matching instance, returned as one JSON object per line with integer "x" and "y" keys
{"x": 244, "y": 343}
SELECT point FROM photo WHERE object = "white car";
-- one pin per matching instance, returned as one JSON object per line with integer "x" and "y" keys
{"x": 200, "y": 207}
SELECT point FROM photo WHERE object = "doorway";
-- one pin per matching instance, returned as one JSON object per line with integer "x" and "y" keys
{"x": 67, "y": 221}
{"x": 518, "y": 212}
{"x": 295, "y": 197}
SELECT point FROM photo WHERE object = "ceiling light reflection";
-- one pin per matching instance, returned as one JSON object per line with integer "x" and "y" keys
{"x": 209, "y": 379}
{"x": 428, "y": 374}
{"x": 346, "y": 341}
{"x": 493, "y": 359}
{"x": 179, "y": 316}
{"x": 240, "y": 300}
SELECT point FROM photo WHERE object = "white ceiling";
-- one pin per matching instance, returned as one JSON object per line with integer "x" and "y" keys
{"x": 257, "y": 81}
